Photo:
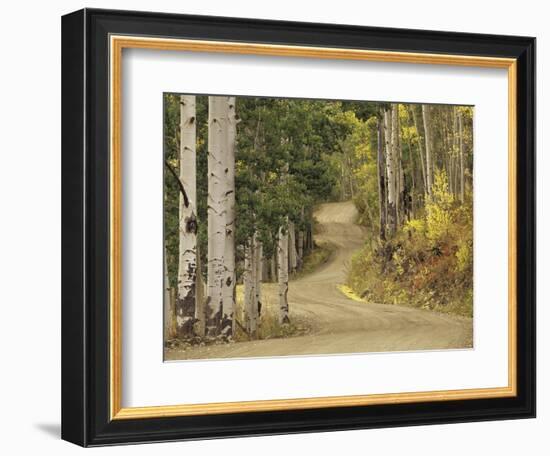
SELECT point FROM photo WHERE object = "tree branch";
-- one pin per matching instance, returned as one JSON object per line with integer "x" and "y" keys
{"x": 180, "y": 185}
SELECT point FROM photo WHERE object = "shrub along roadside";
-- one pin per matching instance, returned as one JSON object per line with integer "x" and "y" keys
{"x": 427, "y": 264}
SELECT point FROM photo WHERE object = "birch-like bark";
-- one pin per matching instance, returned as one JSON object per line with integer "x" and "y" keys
{"x": 200, "y": 310}
{"x": 187, "y": 262}
{"x": 398, "y": 166}
{"x": 228, "y": 306}
{"x": 428, "y": 139}
{"x": 167, "y": 306}
{"x": 420, "y": 150}
{"x": 411, "y": 203}
{"x": 282, "y": 272}
{"x": 249, "y": 282}
{"x": 381, "y": 181}
{"x": 217, "y": 185}
{"x": 390, "y": 171}
{"x": 292, "y": 253}
{"x": 259, "y": 253}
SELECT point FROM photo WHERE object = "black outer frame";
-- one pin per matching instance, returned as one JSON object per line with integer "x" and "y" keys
{"x": 85, "y": 227}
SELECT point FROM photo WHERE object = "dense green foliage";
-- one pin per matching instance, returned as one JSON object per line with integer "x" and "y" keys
{"x": 283, "y": 168}
{"x": 292, "y": 154}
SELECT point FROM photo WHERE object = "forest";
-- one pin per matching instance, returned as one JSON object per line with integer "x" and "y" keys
{"x": 261, "y": 195}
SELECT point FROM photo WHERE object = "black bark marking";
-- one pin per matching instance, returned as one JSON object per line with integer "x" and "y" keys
{"x": 186, "y": 310}
{"x": 178, "y": 181}
{"x": 226, "y": 324}
{"x": 213, "y": 321}
{"x": 191, "y": 224}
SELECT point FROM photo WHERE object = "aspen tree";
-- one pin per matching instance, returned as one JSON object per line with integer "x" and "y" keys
{"x": 228, "y": 292}
{"x": 381, "y": 180}
{"x": 187, "y": 262}
{"x": 426, "y": 116}
{"x": 390, "y": 171}
{"x": 282, "y": 273}
{"x": 217, "y": 188}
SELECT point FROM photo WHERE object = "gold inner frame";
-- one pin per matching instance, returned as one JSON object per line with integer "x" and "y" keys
{"x": 117, "y": 44}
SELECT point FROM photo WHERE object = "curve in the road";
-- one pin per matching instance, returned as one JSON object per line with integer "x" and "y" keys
{"x": 340, "y": 324}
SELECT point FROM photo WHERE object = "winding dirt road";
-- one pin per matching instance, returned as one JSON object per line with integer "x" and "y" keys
{"x": 340, "y": 324}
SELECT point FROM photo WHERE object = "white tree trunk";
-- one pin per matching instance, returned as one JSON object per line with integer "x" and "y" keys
{"x": 200, "y": 311}
{"x": 282, "y": 272}
{"x": 217, "y": 188}
{"x": 249, "y": 282}
{"x": 167, "y": 306}
{"x": 420, "y": 150}
{"x": 292, "y": 253}
{"x": 428, "y": 140}
{"x": 380, "y": 166}
{"x": 396, "y": 165}
{"x": 228, "y": 306}
{"x": 259, "y": 253}
{"x": 187, "y": 262}
{"x": 391, "y": 177}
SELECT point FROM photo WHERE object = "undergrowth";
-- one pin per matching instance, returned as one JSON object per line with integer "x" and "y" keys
{"x": 428, "y": 263}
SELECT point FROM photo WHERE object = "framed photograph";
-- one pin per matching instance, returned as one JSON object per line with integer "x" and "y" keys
{"x": 278, "y": 227}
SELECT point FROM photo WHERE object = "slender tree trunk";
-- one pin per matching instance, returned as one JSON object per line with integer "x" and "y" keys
{"x": 282, "y": 257}
{"x": 217, "y": 188}
{"x": 453, "y": 151}
{"x": 400, "y": 177}
{"x": 228, "y": 306}
{"x": 461, "y": 152}
{"x": 428, "y": 138}
{"x": 310, "y": 242}
{"x": 390, "y": 172}
{"x": 300, "y": 248}
{"x": 200, "y": 310}
{"x": 420, "y": 151}
{"x": 259, "y": 255}
{"x": 167, "y": 305}
{"x": 300, "y": 240}
{"x": 381, "y": 181}
{"x": 187, "y": 264}
{"x": 249, "y": 282}
{"x": 292, "y": 253}
{"x": 412, "y": 194}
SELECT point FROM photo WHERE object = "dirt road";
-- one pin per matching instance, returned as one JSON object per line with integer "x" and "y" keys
{"x": 340, "y": 324}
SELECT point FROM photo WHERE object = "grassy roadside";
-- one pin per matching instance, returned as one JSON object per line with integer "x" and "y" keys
{"x": 314, "y": 260}
{"x": 409, "y": 274}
